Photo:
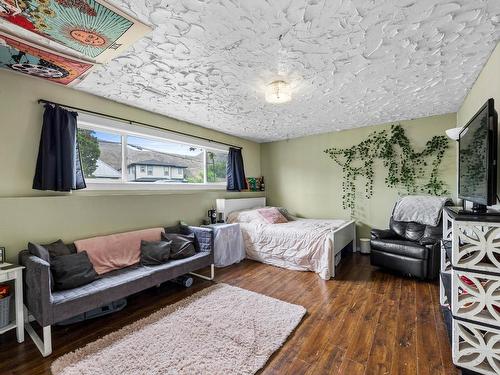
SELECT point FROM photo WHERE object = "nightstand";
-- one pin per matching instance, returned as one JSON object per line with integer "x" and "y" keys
{"x": 12, "y": 272}
{"x": 228, "y": 244}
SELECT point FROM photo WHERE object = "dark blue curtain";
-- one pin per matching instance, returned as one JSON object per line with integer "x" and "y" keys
{"x": 58, "y": 166}
{"x": 236, "y": 180}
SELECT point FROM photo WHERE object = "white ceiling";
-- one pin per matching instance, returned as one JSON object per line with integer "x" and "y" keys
{"x": 351, "y": 62}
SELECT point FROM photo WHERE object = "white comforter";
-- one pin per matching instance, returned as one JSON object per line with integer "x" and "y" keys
{"x": 301, "y": 244}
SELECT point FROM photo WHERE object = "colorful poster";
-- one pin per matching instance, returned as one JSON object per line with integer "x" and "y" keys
{"x": 35, "y": 61}
{"x": 91, "y": 27}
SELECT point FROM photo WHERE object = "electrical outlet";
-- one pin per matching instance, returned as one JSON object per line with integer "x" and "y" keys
{"x": 2, "y": 254}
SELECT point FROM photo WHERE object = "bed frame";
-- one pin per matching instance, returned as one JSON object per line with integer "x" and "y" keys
{"x": 342, "y": 236}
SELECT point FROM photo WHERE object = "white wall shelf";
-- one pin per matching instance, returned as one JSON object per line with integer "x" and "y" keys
{"x": 472, "y": 269}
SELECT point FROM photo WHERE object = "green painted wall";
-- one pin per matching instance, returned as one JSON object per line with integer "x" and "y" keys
{"x": 301, "y": 177}
{"x": 28, "y": 215}
{"x": 487, "y": 86}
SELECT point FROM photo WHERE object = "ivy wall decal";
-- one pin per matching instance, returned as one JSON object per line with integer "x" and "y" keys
{"x": 406, "y": 167}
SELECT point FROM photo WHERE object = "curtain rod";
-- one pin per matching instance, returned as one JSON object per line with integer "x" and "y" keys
{"x": 43, "y": 101}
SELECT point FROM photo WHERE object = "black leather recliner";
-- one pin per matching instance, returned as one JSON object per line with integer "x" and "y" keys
{"x": 407, "y": 247}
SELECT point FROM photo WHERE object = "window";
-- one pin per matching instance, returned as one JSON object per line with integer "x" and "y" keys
{"x": 101, "y": 155}
{"x": 128, "y": 155}
{"x": 167, "y": 161}
{"x": 216, "y": 166}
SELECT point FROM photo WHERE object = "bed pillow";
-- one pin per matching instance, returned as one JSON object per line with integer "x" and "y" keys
{"x": 272, "y": 215}
{"x": 245, "y": 216}
{"x": 284, "y": 212}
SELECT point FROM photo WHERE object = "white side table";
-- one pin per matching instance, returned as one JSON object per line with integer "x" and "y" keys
{"x": 13, "y": 272}
{"x": 228, "y": 244}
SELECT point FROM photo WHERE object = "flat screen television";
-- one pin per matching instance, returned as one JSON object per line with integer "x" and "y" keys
{"x": 477, "y": 161}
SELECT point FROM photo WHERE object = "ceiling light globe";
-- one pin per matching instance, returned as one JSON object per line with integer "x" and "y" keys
{"x": 278, "y": 92}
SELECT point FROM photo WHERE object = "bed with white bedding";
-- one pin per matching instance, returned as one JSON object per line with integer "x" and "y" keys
{"x": 299, "y": 244}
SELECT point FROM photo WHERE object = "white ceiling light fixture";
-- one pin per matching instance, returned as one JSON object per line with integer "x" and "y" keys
{"x": 278, "y": 92}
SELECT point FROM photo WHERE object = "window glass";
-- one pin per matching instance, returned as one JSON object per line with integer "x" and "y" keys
{"x": 101, "y": 155}
{"x": 150, "y": 158}
{"x": 216, "y": 166}
{"x": 166, "y": 161}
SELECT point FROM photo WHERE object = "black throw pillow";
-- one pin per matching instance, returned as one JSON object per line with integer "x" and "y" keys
{"x": 39, "y": 251}
{"x": 72, "y": 271}
{"x": 57, "y": 248}
{"x": 182, "y": 228}
{"x": 178, "y": 228}
{"x": 48, "y": 251}
{"x": 182, "y": 245}
{"x": 155, "y": 252}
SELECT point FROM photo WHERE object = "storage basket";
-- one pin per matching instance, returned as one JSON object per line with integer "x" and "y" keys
{"x": 4, "y": 311}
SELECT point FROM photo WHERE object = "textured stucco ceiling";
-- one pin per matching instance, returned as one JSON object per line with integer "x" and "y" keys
{"x": 351, "y": 62}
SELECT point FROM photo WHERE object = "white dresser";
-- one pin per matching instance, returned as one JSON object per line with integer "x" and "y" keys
{"x": 470, "y": 289}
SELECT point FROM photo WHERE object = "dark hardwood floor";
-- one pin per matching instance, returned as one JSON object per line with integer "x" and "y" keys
{"x": 365, "y": 321}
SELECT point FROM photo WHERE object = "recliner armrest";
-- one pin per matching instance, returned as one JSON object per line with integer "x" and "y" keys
{"x": 383, "y": 234}
{"x": 205, "y": 238}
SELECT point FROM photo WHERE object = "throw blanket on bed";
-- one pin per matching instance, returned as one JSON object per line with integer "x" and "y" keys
{"x": 420, "y": 209}
{"x": 299, "y": 244}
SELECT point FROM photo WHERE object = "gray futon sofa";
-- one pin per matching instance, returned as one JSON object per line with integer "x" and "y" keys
{"x": 50, "y": 307}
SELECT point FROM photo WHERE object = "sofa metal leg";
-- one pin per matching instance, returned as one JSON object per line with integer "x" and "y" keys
{"x": 43, "y": 344}
{"x": 212, "y": 274}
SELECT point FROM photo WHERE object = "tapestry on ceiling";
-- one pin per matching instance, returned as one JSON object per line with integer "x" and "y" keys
{"x": 27, "y": 58}
{"x": 93, "y": 28}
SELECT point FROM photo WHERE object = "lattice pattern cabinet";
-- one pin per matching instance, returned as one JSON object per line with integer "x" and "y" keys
{"x": 470, "y": 289}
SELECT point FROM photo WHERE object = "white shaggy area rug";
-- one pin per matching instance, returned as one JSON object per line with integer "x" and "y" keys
{"x": 219, "y": 330}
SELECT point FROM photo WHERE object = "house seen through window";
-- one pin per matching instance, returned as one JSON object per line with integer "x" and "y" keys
{"x": 147, "y": 159}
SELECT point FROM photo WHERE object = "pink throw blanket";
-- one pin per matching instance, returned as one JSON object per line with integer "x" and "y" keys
{"x": 115, "y": 251}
